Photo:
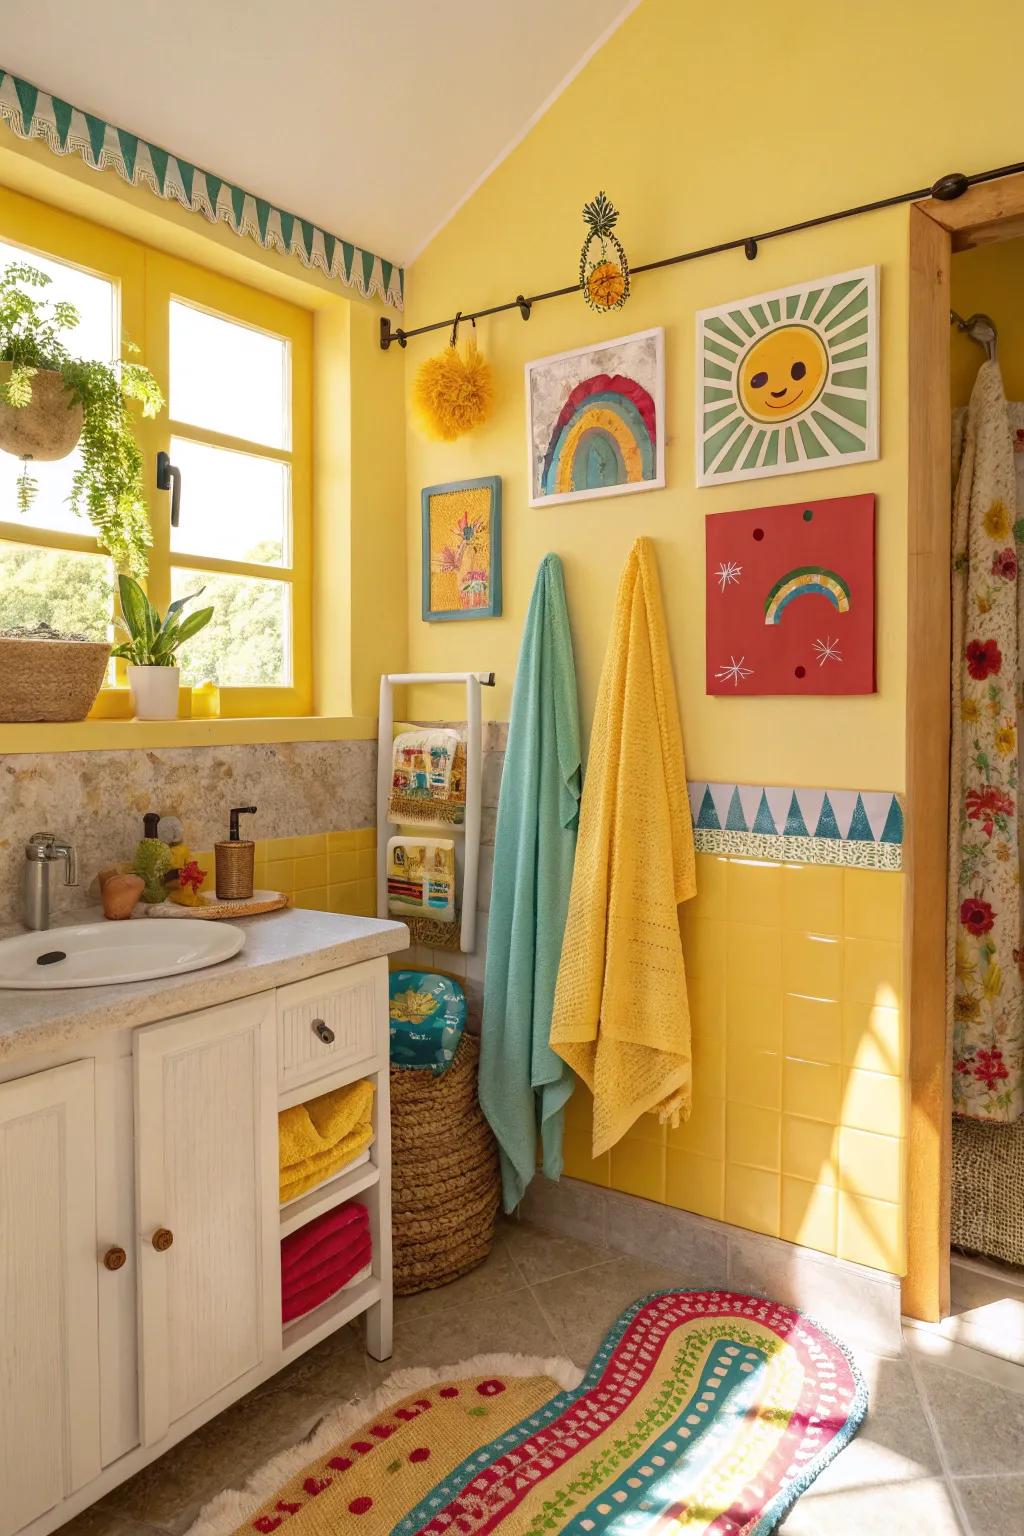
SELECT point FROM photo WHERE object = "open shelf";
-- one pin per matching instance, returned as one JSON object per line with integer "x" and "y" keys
{"x": 349, "y": 1182}
{"x": 327, "y": 1083}
{"x": 308, "y": 1330}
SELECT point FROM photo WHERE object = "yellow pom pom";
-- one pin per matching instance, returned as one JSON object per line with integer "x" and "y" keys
{"x": 453, "y": 393}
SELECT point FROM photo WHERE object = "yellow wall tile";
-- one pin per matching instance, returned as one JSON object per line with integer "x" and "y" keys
{"x": 754, "y": 1018}
{"x": 647, "y": 1128}
{"x": 703, "y": 945}
{"x": 754, "y": 1077}
{"x": 872, "y": 1232}
{"x": 810, "y": 1150}
{"x": 872, "y": 1101}
{"x": 365, "y": 837}
{"x": 755, "y": 954}
{"x": 695, "y": 1183}
{"x": 342, "y": 866}
{"x": 811, "y": 1089}
{"x": 341, "y": 898}
{"x": 752, "y": 1199}
{"x": 812, "y": 898}
{"x": 638, "y": 1168}
{"x": 281, "y": 874}
{"x": 812, "y": 1028}
{"x": 873, "y": 1038}
{"x": 704, "y": 1132}
{"x": 708, "y": 1050}
{"x": 296, "y": 847}
{"x": 754, "y": 892}
{"x": 366, "y": 898}
{"x": 809, "y": 1215}
{"x": 711, "y": 876}
{"x": 341, "y": 842}
{"x": 871, "y": 1165}
{"x": 310, "y": 871}
{"x": 812, "y": 964}
{"x": 366, "y": 859}
{"x": 580, "y": 1165}
{"x": 752, "y": 1136}
{"x": 873, "y": 904}
{"x": 872, "y": 972}
{"x": 313, "y": 900}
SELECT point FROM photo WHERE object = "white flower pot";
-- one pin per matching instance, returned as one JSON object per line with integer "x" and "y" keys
{"x": 154, "y": 692}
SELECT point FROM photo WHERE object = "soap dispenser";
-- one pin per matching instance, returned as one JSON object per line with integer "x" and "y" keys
{"x": 235, "y": 860}
{"x": 152, "y": 859}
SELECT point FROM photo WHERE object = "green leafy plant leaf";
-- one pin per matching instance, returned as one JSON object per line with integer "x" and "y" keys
{"x": 153, "y": 641}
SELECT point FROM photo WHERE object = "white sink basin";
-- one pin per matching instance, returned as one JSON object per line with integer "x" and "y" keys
{"x": 98, "y": 954}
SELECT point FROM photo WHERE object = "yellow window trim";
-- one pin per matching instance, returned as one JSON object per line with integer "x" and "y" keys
{"x": 146, "y": 280}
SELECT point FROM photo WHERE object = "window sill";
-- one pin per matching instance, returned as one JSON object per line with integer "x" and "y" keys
{"x": 124, "y": 735}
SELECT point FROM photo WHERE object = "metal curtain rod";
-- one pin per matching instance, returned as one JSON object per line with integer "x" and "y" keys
{"x": 946, "y": 190}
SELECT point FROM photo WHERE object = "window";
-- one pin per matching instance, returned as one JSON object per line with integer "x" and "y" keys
{"x": 235, "y": 366}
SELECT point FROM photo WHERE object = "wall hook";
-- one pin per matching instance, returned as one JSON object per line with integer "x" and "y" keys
{"x": 525, "y": 307}
{"x": 455, "y": 328}
{"x": 750, "y": 248}
{"x": 387, "y": 335}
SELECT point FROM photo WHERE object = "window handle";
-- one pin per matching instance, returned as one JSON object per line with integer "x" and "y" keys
{"x": 168, "y": 478}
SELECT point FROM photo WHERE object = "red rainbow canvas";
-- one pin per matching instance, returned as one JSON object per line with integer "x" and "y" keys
{"x": 791, "y": 598}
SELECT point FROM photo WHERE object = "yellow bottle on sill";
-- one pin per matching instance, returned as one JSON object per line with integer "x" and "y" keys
{"x": 206, "y": 702}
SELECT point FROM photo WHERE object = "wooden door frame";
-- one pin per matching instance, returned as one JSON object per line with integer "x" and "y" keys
{"x": 989, "y": 212}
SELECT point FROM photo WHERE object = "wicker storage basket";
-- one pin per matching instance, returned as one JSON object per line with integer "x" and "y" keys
{"x": 988, "y": 1176}
{"x": 445, "y": 1180}
{"x": 50, "y": 679}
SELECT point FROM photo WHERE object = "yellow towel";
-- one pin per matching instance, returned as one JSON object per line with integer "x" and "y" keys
{"x": 318, "y": 1138}
{"x": 621, "y": 1018}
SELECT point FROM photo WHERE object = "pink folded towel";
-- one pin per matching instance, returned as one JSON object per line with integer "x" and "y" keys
{"x": 298, "y": 1303}
{"x": 326, "y": 1237}
{"x": 298, "y": 1279}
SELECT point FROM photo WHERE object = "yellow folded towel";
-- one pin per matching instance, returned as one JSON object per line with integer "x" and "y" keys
{"x": 621, "y": 1018}
{"x": 320, "y": 1137}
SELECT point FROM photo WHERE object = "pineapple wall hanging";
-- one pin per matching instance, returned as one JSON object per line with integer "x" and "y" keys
{"x": 604, "y": 269}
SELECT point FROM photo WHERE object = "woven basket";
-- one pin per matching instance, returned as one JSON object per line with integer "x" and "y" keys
{"x": 445, "y": 1180}
{"x": 50, "y": 679}
{"x": 988, "y": 1176}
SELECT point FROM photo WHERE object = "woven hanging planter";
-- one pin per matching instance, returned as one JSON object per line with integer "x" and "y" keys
{"x": 445, "y": 1180}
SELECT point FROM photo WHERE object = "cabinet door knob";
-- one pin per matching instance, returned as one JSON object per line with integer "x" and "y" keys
{"x": 115, "y": 1258}
{"x": 323, "y": 1031}
{"x": 163, "y": 1237}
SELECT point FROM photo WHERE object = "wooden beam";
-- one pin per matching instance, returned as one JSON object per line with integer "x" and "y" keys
{"x": 926, "y": 1287}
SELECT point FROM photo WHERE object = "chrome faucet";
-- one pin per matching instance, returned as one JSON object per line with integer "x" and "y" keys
{"x": 42, "y": 850}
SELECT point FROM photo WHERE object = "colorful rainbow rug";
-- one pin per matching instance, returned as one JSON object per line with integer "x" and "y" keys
{"x": 702, "y": 1412}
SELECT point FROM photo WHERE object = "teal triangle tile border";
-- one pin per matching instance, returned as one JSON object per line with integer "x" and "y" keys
{"x": 721, "y": 824}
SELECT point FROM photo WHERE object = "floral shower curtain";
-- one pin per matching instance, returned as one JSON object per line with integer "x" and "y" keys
{"x": 984, "y": 950}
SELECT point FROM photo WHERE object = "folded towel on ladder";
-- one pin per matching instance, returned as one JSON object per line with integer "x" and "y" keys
{"x": 621, "y": 1017}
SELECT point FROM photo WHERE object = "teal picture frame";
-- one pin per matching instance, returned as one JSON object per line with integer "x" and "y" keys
{"x": 491, "y": 609}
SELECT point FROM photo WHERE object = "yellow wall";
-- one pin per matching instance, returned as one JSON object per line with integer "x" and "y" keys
{"x": 990, "y": 279}
{"x": 325, "y": 872}
{"x": 702, "y": 124}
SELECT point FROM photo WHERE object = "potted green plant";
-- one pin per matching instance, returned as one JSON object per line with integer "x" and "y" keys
{"x": 153, "y": 673}
{"x": 50, "y": 400}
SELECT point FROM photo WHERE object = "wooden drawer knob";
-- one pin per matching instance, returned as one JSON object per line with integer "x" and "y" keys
{"x": 115, "y": 1258}
{"x": 323, "y": 1031}
{"x": 163, "y": 1237}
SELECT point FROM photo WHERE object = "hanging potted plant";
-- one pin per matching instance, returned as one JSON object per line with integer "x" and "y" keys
{"x": 153, "y": 673}
{"x": 51, "y": 401}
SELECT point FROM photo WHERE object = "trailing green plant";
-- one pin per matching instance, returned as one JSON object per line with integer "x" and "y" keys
{"x": 107, "y": 485}
{"x": 154, "y": 641}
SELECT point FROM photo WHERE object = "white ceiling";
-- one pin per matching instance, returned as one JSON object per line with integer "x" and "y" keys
{"x": 373, "y": 120}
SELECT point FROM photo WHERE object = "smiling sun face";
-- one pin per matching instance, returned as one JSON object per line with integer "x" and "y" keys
{"x": 783, "y": 373}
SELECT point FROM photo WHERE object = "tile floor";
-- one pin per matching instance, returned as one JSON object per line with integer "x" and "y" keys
{"x": 941, "y": 1453}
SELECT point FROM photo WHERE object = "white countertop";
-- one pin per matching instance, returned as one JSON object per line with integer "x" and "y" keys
{"x": 279, "y": 947}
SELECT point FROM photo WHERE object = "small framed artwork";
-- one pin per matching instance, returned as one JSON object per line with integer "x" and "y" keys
{"x": 595, "y": 420}
{"x": 788, "y": 380}
{"x": 791, "y": 598}
{"x": 462, "y": 549}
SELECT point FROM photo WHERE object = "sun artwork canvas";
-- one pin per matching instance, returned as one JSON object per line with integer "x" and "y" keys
{"x": 595, "y": 420}
{"x": 788, "y": 381}
{"x": 791, "y": 599}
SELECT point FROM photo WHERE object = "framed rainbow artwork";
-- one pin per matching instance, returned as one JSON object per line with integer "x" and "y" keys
{"x": 791, "y": 598}
{"x": 595, "y": 420}
{"x": 788, "y": 380}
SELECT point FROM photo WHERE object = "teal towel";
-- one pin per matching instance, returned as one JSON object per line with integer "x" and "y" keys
{"x": 523, "y": 1083}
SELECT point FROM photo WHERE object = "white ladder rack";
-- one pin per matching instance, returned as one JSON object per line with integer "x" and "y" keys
{"x": 470, "y": 830}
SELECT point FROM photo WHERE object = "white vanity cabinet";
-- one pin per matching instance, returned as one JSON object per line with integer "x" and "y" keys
{"x": 140, "y": 1224}
{"x": 206, "y": 1201}
{"x": 49, "y": 1349}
